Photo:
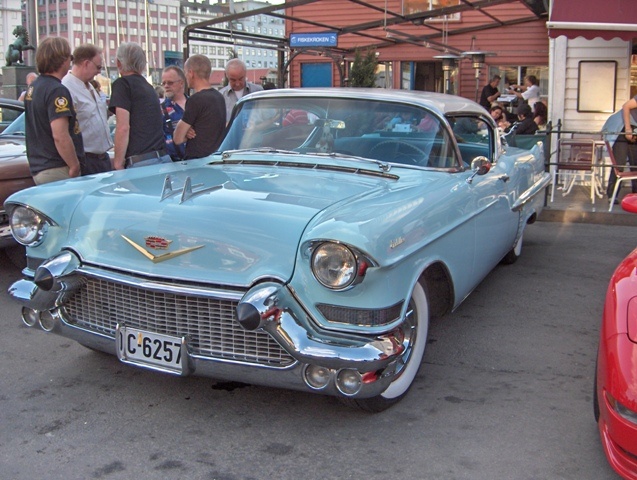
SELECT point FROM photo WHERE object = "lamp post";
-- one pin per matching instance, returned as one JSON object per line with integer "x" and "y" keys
{"x": 449, "y": 63}
{"x": 477, "y": 62}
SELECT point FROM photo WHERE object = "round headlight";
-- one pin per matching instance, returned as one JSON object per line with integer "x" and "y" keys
{"x": 334, "y": 265}
{"x": 27, "y": 226}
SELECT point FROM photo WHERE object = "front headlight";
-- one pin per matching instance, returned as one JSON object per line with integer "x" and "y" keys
{"x": 27, "y": 226}
{"x": 334, "y": 265}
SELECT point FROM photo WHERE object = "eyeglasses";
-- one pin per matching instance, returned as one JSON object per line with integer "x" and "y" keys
{"x": 99, "y": 67}
{"x": 168, "y": 83}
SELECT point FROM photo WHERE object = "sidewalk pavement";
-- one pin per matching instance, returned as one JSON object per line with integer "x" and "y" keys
{"x": 576, "y": 207}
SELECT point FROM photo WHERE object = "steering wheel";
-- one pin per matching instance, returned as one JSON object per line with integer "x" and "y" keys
{"x": 396, "y": 150}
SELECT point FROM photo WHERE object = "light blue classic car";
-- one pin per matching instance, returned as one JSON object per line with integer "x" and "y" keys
{"x": 310, "y": 253}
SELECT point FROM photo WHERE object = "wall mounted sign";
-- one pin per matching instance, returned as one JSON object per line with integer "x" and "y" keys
{"x": 308, "y": 40}
{"x": 596, "y": 86}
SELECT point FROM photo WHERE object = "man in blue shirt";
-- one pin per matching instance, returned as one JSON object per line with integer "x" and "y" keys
{"x": 174, "y": 82}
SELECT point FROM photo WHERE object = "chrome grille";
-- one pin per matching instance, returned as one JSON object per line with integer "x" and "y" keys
{"x": 208, "y": 323}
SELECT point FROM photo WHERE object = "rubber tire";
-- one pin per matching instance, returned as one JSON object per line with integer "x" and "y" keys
{"x": 515, "y": 253}
{"x": 414, "y": 353}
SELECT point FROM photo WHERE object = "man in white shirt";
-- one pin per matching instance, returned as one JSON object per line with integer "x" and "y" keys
{"x": 90, "y": 108}
{"x": 530, "y": 91}
{"x": 238, "y": 85}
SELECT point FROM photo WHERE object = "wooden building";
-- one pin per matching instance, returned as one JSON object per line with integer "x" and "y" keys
{"x": 408, "y": 35}
{"x": 593, "y": 61}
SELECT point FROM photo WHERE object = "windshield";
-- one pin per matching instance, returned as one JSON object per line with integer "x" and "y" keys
{"x": 379, "y": 130}
{"x": 16, "y": 128}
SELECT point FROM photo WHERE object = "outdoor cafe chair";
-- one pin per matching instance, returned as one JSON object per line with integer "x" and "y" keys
{"x": 622, "y": 172}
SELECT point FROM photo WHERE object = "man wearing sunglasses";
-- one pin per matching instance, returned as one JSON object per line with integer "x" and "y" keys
{"x": 90, "y": 109}
{"x": 173, "y": 80}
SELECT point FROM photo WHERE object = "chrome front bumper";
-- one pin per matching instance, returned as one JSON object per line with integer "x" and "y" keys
{"x": 271, "y": 307}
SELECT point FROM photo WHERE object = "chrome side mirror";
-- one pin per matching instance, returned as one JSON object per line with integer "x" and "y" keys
{"x": 479, "y": 166}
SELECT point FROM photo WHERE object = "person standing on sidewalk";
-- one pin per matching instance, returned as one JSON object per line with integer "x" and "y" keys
{"x": 204, "y": 120}
{"x": 90, "y": 109}
{"x": 53, "y": 139}
{"x": 139, "y": 138}
{"x": 238, "y": 85}
{"x": 173, "y": 80}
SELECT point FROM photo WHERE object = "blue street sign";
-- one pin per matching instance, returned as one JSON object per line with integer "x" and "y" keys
{"x": 323, "y": 39}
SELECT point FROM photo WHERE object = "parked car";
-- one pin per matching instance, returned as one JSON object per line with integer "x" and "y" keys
{"x": 615, "y": 392}
{"x": 310, "y": 253}
{"x": 9, "y": 110}
{"x": 14, "y": 168}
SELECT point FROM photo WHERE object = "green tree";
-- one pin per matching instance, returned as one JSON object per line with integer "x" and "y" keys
{"x": 363, "y": 73}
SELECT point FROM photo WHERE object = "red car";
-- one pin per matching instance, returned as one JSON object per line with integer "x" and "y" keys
{"x": 615, "y": 397}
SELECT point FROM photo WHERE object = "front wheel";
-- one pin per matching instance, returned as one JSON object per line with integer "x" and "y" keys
{"x": 415, "y": 330}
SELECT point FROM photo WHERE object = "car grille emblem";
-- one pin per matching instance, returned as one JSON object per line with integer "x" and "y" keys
{"x": 159, "y": 243}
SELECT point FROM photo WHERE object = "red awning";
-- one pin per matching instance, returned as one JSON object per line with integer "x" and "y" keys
{"x": 590, "y": 19}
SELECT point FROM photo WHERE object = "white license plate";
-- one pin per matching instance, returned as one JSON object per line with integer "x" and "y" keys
{"x": 153, "y": 350}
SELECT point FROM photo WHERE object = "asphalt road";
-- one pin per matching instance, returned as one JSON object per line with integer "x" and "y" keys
{"x": 505, "y": 392}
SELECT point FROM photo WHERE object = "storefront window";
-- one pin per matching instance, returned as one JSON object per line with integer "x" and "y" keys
{"x": 406, "y": 75}
{"x": 384, "y": 77}
{"x": 633, "y": 76}
{"x": 514, "y": 75}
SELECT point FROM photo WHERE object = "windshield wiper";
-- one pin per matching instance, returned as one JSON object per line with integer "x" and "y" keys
{"x": 384, "y": 166}
{"x": 229, "y": 153}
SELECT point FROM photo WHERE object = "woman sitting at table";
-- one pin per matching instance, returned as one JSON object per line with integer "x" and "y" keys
{"x": 540, "y": 114}
{"x": 497, "y": 113}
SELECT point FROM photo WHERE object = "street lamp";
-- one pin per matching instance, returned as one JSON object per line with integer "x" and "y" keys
{"x": 477, "y": 62}
{"x": 449, "y": 63}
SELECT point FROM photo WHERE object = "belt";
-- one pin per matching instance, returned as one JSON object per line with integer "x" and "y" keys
{"x": 95, "y": 155}
{"x": 133, "y": 159}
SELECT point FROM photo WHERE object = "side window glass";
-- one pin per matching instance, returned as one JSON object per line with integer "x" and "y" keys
{"x": 475, "y": 137}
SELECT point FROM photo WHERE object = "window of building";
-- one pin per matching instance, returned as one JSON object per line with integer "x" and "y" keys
{"x": 633, "y": 76}
{"x": 514, "y": 75}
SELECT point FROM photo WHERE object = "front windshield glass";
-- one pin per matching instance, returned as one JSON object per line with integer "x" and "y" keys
{"x": 385, "y": 131}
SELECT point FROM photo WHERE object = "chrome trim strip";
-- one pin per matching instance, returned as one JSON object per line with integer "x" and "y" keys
{"x": 161, "y": 286}
{"x": 529, "y": 194}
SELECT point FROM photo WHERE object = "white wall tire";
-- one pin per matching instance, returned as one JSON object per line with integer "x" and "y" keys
{"x": 514, "y": 253}
{"x": 416, "y": 327}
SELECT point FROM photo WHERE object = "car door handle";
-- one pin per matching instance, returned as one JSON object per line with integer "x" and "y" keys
{"x": 504, "y": 178}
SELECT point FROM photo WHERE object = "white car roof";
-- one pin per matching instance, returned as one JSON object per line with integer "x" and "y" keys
{"x": 439, "y": 102}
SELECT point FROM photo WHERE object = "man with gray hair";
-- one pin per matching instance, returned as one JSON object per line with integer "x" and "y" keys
{"x": 174, "y": 82}
{"x": 139, "y": 138}
{"x": 238, "y": 84}
{"x": 204, "y": 120}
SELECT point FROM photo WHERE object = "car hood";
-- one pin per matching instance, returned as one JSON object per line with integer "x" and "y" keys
{"x": 234, "y": 225}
